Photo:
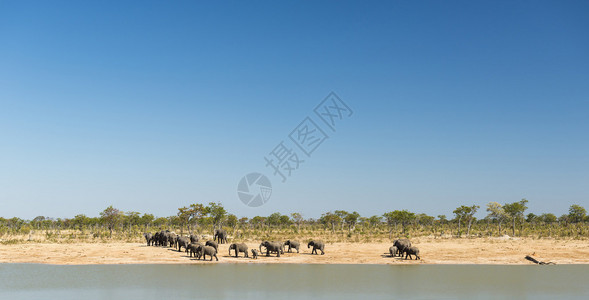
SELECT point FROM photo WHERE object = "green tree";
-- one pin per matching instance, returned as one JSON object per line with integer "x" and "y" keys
{"x": 496, "y": 212}
{"x": 374, "y": 221}
{"x": 160, "y": 222}
{"x": 184, "y": 214}
{"x": 273, "y": 220}
{"x": 284, "y": 220}
{"x": 396, "y": 217}
{"x": 258, "y": 221}
{"x": 548, "y": 218}
{"x": 577, "y": 213}
{"x": 297, "y": 219}
{"x": 111, "y": 217}
{"x": 515, "y": 211}
{"x": 232, "y": 222}
{"x": 217, "y": 213}
{"x": 146, "y": 220}
{"x": 81, "y": 221}
{"x": 531, "y": 218}
{"x": 466, "y": 214}
{"x": 424, "y": 219}
{"x": 197, "y": 212}
{"x": 351, "y": 220}
{"x": 132, "y": 218}
{"x": 243, "y": 222}
{"x": 330, "y": 219}
{"x": 342, "y": 218}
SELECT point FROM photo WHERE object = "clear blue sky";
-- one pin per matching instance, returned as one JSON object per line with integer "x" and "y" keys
{"x": 153, "y": 106}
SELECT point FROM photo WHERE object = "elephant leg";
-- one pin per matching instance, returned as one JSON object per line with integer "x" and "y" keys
{"x": 322, "y": 252}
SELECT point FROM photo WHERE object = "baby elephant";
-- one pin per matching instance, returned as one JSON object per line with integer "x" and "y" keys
{"x": 316, "y": 245}
{"x": 238, "y": 248}
{"x": 255, "y": 253}
{"x": 412, "y": 251}
{"x": 393, "y": 251}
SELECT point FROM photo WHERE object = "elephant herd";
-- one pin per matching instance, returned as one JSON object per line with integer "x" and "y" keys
{"x": 402, "y": 247}
{"x": 193, "y": 247}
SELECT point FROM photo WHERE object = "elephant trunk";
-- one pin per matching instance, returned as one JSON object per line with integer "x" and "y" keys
{"x": 261, "y": 248}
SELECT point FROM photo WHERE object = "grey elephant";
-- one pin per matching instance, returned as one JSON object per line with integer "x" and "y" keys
{"x": 212, "y": 244}
{"x": 148, "y": 238}
{"x": 206, "y": 250}
{"x": 156, "y": 238}
{"x": 272, "y": 247}
{"x": 393, "y": 251}
{"x": 292, "y": 244}
{"x": 316, "y": 245}
{"x": 193, "y": 238}
{"x": 401, "y": 244}
{"x": 192, "y": 249}
{"x": 160, "y": 238}
{"x": 165, "y": 238}
{"x": 238, "y": 248}
{"x": 171, "y": 239}
{"x": 182, "y": 241}
{"x": 220, "y": 236}
{"x": 255, "y": 253}
{"x": 411, "y": 251}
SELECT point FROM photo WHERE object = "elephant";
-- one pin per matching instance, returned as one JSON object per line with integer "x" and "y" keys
{"x": 157, "y": 238}
{"x": 393, "y": 251}
{"x": 193, "y": 238}
{"x": 401, "y": 244}
{"x": 206, "y": 250}
{"x": 212, "y": 244}
{"x": 292, "y": 244}
{"x": 272, "y": 247}
{"x": 148, "y": 238}
{"x": 220, "y": 236}
{"x": 182, "y": 241}
{"x": 192, "y": 249}
{"x": 411, "y": 251}
{"x": 162, "y": 238}
{"x": 172, "y": 239}
{"x": 255, "y": 253}
{"x": 316, "y": 245}
{"x": 238, "y": 248}
{"x": 166, "y": 238}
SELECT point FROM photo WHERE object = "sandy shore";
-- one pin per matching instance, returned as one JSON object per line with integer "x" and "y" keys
{"x": 433, "y": 251}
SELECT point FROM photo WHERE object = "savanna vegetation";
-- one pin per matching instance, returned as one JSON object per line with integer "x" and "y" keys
{"x": 335, "y": 226}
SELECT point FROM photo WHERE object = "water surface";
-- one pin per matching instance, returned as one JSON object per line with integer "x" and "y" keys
{"x": 289, "y": 281}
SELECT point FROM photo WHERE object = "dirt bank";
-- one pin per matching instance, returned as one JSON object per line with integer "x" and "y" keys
{"x": 433, "y": 251}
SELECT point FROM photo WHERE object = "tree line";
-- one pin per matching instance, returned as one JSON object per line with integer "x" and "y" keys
{"x": 200, "y": 218}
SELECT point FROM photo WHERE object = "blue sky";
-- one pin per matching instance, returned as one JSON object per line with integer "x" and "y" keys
{"x": 153, "y": 106}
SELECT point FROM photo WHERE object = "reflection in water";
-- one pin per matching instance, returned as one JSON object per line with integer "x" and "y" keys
{"x": 288, "y": 281}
